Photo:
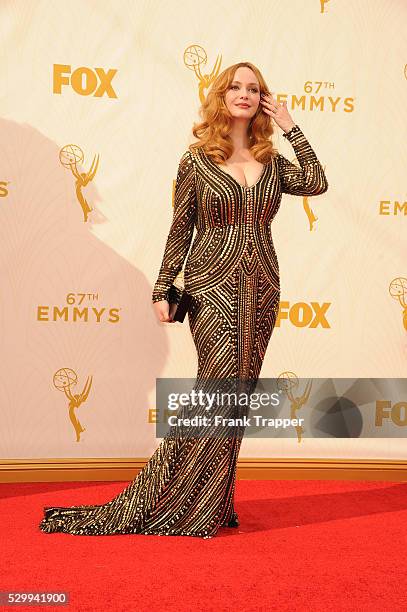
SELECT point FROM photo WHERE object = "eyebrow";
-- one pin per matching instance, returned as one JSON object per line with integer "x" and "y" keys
{"x": 247, "y": 83}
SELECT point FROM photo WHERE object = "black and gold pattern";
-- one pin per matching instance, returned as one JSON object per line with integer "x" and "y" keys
{"x": 187, "y": 486}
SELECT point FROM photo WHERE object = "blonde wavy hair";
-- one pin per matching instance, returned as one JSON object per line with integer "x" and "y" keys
{"x": 213, "y": 131}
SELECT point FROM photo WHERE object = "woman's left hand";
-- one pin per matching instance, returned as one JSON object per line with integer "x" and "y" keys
{"x": 277, "y": 111}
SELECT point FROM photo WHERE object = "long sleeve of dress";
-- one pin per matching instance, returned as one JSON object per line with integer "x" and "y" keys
{"x": 181, "y": 230}
{"x": 310, "y": 178}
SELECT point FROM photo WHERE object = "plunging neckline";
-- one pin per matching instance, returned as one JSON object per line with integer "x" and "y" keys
{"x": 232, "y": 177}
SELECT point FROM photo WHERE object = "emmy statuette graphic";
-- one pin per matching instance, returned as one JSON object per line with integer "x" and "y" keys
{"x": 70, "y": 155}
{"x": 398, "y": 291}
{"x": 287, "y": 382}
{"x": 64, "y": 379}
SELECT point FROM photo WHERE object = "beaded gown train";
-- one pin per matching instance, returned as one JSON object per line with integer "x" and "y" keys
{"x": 187, "y": 487}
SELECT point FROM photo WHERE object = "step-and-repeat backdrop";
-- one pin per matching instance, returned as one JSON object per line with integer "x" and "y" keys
{"x": 97, "y": 102}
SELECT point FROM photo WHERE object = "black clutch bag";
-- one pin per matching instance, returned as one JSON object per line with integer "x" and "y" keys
{"x": 183, "y": 300}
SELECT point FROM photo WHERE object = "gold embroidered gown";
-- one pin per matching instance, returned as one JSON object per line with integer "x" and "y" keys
{"x": 187, "y": 486}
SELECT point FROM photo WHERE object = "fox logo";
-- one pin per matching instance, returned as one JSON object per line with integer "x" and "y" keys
{"x": 84, "y": 81}
{"x": 302, "y": 314}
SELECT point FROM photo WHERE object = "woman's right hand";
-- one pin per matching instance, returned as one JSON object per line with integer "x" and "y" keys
{"x": 163, "y": 311}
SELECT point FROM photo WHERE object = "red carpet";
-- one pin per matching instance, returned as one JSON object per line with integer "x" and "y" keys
{"x": 301, "y": 545}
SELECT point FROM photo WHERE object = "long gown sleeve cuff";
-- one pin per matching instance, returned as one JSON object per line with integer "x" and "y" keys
{"x": 172, "y": 295}
{"x": 303, "y": 150}
{"x": 157, "y": 297}
{"x": 292, "y": 132}
{"x": 160, "y": 292}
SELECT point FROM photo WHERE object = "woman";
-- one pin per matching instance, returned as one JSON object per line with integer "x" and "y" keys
{"x": 229, "y": 186}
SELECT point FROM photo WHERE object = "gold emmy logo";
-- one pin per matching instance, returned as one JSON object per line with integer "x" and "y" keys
{"x": 310, "y": 214}
{"x": 311, "y": 217}
{"x": 302, "y": 314}
{"x": 398, "y": 291}
{"x": 63, "y": 380}
{"x": 84, "y": 81}
{"x": 3, "y": 188}
{"x": 70, "y": 155}
{"x": 194, "y": 57}
{"x": 287, "y": 382}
